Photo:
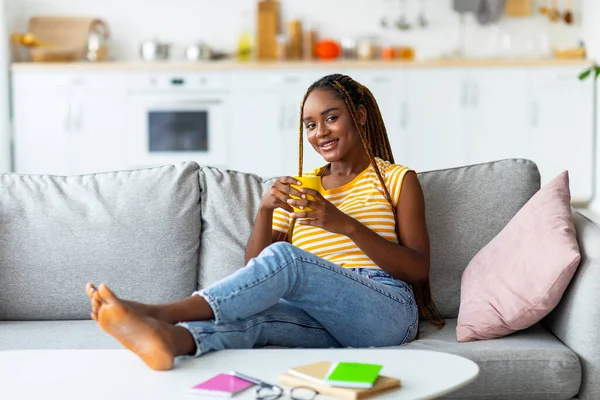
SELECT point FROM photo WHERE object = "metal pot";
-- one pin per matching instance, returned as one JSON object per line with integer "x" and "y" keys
{"x": 198, "y": 52}
{"x": 152, "y": 50}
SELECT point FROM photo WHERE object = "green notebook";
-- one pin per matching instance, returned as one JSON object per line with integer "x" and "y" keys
{"x": 353, "y": 375}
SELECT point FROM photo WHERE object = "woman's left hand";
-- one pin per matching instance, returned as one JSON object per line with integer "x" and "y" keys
{"x": 323, "y": 214}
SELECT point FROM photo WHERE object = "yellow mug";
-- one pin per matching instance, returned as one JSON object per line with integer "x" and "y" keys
{"x": 308, "y": 182}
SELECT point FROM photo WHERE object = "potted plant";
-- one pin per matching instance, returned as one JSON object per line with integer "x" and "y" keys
{"x": 595, "y": 69}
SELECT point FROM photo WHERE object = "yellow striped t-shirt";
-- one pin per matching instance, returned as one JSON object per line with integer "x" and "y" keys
{"x": 363, "y": 199}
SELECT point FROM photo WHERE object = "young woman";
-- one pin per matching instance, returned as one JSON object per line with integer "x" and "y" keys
{"x": 352, "y": 272}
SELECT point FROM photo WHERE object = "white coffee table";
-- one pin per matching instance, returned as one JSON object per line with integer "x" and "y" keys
{"x": 119, "y": 374}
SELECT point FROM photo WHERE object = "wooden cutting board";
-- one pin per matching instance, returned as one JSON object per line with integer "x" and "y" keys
{"x": 64, "y": 32}
{"x": 267, "y": 29}
{"x": 518, "y": 8}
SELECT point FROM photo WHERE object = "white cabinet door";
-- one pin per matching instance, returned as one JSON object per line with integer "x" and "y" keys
{"x": 256, "y": 125}
{"x": 563, "y": 127}
{"x": 389, "y": 90}
{"x": 498, "y": 115}
{"x": 42, "y": 126}
{"x": 98, "y": 138}
{"x": 436, "y": 134}
{"x": 67, "y": 124}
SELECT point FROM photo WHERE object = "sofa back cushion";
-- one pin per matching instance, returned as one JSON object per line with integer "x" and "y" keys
{"x": 230, "y": 201}
{"x": 466, "y": 207}
{"x": 137, "y": 231}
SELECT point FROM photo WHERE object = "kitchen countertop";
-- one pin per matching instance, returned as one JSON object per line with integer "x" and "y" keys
{"x": 232, "y": 65}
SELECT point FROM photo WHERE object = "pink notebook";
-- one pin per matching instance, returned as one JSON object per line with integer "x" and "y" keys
{"x": 221, "y": 385}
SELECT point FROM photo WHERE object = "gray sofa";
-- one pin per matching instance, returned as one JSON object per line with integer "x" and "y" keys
{"x": 157, "y": 234}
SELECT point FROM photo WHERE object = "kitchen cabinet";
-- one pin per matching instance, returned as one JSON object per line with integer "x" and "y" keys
{"x": 98, "y": 138}
{"x": 390, "y": 92}
{"x": 562, "y": 127}
{"x": 436, "y": 117}
{"x": 435, "y": 135}
{"x": 267, "y": 121}
{"x": 66, "y": 125}
{"x": 497, "y": 107}
{"x": 42, "y": 125}
{"x": 256, "y": 125}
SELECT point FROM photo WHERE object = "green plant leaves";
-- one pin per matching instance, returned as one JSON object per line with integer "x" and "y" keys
{"x": 594, "y": 68}
{"x": 585, "y": 74}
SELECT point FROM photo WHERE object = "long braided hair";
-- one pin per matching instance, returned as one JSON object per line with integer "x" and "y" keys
{"x": 375, "y": 141}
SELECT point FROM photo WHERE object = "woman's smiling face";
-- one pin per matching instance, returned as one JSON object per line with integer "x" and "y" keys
{"x": 329, "y": 126}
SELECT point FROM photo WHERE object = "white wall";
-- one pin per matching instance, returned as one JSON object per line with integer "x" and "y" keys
{"x": 217, "y": 22}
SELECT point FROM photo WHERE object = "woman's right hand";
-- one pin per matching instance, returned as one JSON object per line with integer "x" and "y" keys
{"x": 279, "y": 193}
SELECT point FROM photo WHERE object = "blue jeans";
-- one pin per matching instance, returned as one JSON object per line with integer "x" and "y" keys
{"x": 289, "y": 297}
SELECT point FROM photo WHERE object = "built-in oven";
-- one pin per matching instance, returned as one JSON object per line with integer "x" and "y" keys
{"x": 176, "y": 119}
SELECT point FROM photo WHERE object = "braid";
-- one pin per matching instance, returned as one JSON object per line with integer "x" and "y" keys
{"x": 375, "y": 141}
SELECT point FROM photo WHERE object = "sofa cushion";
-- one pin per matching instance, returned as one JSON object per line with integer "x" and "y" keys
{"x": 521, "y": 275}
{"x": 52, "y": 335}
{"x": 466, "y": 208}
{"x": 230, "y": 201}
{"x": 137, "y": 231}
{"x": 530, "y": 364}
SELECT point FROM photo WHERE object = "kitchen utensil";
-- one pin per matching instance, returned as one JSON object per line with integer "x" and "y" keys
{"x": 553, "y": 12}
{"x": 402, "y": 22}
{"x": 348, "y": 48}
{"x": 308, "y": 45}
{"x": 384, "y": 21}
{"x": 568, "y": 14}
{"x": 267, "y": 29}
{"x": 570, "y": 53}
{"x": 294, "y": 32}
{"x": 153, "y": 50}
{"x": 283, "y": 46}
{"x": 466, "y": 6}
{"x": 97, "y": 42}
{"x": 518, "y": 8}
{"x": 198, "y": 52}
{"x": 327, "y": 49}
{"x": 65, "y": 32}
{"x": 422, "y": 18}
{"x": 366, "y": 49}
{"x": 53, "y": 54}
{"x": 490, "y": 11}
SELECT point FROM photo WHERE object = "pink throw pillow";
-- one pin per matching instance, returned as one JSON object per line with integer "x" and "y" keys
{"x": 521, "y": 275}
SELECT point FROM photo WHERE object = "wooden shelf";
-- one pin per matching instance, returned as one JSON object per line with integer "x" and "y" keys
{"x": 232, "y": 65}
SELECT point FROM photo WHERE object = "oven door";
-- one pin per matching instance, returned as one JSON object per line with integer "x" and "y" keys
{"x": 173, "y": 128}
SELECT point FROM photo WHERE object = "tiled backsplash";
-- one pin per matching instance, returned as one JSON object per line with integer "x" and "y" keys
{"x": 182, "y": 22}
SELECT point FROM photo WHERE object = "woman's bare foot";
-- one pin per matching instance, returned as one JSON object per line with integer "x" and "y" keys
{"x": 149, "y": 338}
{"x": 147, "y": 310}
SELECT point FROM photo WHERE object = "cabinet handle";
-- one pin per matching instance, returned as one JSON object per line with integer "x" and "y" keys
{"x": 475, "y": 94}
{"x": 68, "y": 119}
{"x": 291, "y": 79}
{"x": 77, "y": 120}
{"x": 282, "y": 114}
{"x": 293, "y": 116}
{"x": 381, "y": 79}
{"x": 535, "y": 114}
{"x": 404, "y": 115}
{"x": 464, "y": 94}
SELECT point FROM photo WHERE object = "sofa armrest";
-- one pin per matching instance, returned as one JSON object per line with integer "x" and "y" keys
{"x": 576, "y": 320}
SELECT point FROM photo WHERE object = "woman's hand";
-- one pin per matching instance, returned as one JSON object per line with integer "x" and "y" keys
{"x": 279, "y": 194}
{"x": 323, "y": 214}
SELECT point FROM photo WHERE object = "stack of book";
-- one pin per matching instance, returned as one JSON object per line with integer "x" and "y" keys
{"x": 345, "y": 380}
